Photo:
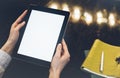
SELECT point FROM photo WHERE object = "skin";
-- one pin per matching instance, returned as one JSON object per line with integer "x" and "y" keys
{"x": 14, "y": 34}
{"x": 60, "y": 59}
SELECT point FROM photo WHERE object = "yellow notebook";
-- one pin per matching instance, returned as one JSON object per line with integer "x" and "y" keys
{"x": 94, "y": 60}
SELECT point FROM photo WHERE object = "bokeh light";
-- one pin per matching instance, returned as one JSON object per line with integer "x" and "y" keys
{"x": 88, "y": 18}
{"x": 111, "y": 19}
{"x": 54, "y": 6}
{"x": 76, "y": 14}
{"x": 65, "y": 7}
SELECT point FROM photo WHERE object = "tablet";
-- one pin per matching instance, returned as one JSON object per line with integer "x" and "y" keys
{"x": 44, "y": 29}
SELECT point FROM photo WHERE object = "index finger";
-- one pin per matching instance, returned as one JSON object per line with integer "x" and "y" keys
{"x": 19, "y": 19}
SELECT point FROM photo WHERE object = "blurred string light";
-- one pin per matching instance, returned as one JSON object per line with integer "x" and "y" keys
{"x": 54, "y": 5}
{"x": 77, "y": 14}
{"x": 65, "y": 7}
{"x": 100, "y": 18}
{"x": 111, "y": 19}
{"x": 88, "y": 18}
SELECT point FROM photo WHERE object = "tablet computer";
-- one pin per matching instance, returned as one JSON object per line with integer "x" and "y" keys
{"x": 44, "y": 29}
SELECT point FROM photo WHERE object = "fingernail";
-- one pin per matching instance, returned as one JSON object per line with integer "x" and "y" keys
{"x": 60, "y": 46}
{"x": 23, "y": 22}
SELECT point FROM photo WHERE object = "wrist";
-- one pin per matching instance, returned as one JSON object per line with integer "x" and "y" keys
{"x": 8, "y": 47}
{"x": 54, "y": 73}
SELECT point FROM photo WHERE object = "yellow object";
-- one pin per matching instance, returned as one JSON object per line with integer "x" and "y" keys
{"x": 92, "y": 62}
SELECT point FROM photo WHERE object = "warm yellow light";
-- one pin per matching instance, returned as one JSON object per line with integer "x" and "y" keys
{"x": 53, "y": 5}
{"x": 65, "y": 7}
{"x": 76, "y": 14}
{"x": 100, "y": 18}
{"x": 99, "y": 14}
{"x": 111, "y": 19}
{"x": 88, "y": 18}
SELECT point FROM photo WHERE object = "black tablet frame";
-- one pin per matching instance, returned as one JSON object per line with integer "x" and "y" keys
{"x": 61, "y": 35}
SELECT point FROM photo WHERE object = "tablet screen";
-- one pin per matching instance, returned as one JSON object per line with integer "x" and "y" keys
{"x": 41, "y": 35}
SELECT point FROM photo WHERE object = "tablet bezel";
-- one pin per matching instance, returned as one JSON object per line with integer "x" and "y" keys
{"x": 61, "y": 35}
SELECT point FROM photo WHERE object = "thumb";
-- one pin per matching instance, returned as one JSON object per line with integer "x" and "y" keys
{"x": 58, "y": 50}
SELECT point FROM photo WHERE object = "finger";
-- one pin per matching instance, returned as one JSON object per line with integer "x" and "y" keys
{"x": 58, "y": 50}
{"x": 19, "y": 19}
{"x": 21, "y": 16}
{"x": 64, "y": 46}
{"x": 66, "y": 54}
{"x": 19, "y": 26}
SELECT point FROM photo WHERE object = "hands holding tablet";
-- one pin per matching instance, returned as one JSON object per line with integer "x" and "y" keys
{"x": 14, "y": 33}
{"x": 60, "y": 59}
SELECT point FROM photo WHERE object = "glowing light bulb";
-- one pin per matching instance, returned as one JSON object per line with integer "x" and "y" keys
{"x": 53, "y": 5}
{"x": 76, "y": 14}
{"x": 100, "y": 18}
{"x": 111, "y": 19}
{"x": 88, "y": 18}
{"x": 65, "y": 7}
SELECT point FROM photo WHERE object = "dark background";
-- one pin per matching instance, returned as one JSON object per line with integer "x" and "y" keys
{"x": 79, "y": 37}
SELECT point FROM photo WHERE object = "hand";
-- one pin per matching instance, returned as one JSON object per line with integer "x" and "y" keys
{"x": 14, "y": 33}
{"x": 60, "y": 59}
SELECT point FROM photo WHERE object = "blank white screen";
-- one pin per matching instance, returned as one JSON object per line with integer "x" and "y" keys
{"x": 41, "y": 35}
